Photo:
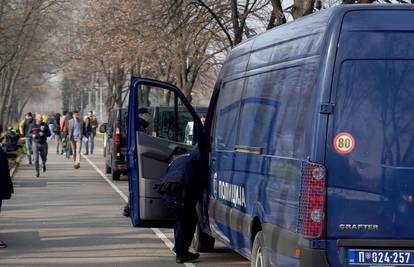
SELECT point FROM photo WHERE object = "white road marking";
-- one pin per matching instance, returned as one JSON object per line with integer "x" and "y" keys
{"x": 156, "y": 231}
{"x": 124, "y": 197}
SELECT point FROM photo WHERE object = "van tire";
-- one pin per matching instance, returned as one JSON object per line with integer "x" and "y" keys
{"x": 107, "y": 169}
{"x": 259, "y": 255}
{"x": 116, "y": 175}
{"x": 202, "y": 242}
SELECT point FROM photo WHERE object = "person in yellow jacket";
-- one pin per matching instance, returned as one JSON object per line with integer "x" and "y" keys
{"x": 21, "y": 126}
{"x": 44, "y": 118}
{"x": 24, "y": 129}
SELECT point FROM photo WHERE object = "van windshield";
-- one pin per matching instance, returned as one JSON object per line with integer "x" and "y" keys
{"x": 375, "y": 103}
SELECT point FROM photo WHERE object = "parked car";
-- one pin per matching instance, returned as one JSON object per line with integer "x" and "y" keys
{"x": 163, "y": 121}
{"x": 310, "y": 137}
{"x": 115, "y": 142}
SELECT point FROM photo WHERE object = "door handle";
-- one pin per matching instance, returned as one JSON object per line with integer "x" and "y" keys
{"x": 249, "y": 149}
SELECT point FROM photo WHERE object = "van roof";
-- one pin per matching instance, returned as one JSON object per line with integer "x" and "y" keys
{"x": 313, "y": 24}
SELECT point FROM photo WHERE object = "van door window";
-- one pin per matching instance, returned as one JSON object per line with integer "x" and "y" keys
{"x": 168, "y": 118}
{"x": 276, "y": 111}
{"x": 374, "y": 103}
{"x": 227, "y": 114}
{"x": 258, "y": 112}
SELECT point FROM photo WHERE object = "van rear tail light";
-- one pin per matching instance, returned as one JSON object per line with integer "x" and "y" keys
{"x": 117, "y": 137}
{"x": 311, "y": 219}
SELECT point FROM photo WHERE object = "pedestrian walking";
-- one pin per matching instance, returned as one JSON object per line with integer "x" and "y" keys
{"x": 91, "y": 123}
{"x": 58, "y": 134}
{"x": 181, "y": 189}
{"x": 6, "y": 185}
{"x": 64, "y": 121}
{"x": 40, "y": 132}
{"x": 51, "y": 124}
{"x": 25, "y": 128}
{"x": 76, "y": 132}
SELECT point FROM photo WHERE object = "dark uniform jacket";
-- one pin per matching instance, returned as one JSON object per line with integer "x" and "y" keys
{"x": 6, "y": 185}
{"x": 184, "y": 181}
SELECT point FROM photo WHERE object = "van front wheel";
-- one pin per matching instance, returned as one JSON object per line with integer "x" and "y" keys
{"x": 259, "y": 255}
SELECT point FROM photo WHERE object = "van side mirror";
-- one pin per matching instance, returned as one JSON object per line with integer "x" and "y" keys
{"x": 102, "y": 128}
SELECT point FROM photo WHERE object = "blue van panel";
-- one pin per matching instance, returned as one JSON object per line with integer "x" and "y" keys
{"x": 374, "y": 96}
{"x": 270, "y": 178}
{"x": 363, "y": 35}
{"x": 238, "y": 59}
{"x": 370, "y": 189}
{"x": 311, "y": 25}
{"x": 281, "y": 47}
{"x": 284, "y": 63}
{"x": 379, "y": 20}
{"x": 301, "y": 47}
{"x": 290, "y": 41}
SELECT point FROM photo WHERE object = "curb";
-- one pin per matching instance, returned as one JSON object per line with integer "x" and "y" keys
{"x": 13, "y": 170}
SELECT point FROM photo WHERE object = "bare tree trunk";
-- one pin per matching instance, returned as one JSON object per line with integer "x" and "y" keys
{"x": 302, "y": 8}
{"x": 237, "y": 29}
{"x": 277, "y": 13}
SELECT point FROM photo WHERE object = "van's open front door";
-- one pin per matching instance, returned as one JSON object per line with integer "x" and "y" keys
{"x": 161, "y": 124}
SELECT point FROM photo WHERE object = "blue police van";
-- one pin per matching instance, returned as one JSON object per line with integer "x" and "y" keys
{"x": 310, "y": 140}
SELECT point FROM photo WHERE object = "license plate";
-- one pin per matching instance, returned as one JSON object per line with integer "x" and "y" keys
{"x": 388, "y": 258}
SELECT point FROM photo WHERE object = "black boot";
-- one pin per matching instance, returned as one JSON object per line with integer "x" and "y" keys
{"x": 188, "y": 257}
{"x": 126, "y": 211}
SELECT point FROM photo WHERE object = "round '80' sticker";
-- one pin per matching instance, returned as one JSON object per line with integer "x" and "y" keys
{"x": 344, "y": 143}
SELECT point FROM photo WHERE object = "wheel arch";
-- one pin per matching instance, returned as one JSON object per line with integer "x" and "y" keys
{"x": 255, "y": 227}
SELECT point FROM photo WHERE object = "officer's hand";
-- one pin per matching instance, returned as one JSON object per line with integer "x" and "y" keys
{"x": 41, "y": 133}
{"x": 33, "y": 136}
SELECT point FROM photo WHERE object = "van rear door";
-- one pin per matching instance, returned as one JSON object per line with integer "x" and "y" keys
{"x": 370, "y": 147}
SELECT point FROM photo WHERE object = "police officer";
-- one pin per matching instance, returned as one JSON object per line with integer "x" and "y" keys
{"x": 181, "y": 189}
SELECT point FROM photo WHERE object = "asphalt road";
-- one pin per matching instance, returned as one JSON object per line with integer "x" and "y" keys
{"x": 71, "y": 217}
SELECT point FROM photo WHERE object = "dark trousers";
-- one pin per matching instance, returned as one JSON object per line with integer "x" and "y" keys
{"x": 39, "y": 150}
{"x": 184, "y": 229}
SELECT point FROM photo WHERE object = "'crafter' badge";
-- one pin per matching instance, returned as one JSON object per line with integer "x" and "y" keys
{"x": 344, "y": 143}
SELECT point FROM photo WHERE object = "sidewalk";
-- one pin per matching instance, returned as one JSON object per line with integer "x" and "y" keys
{"x": 71, "y": 217}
